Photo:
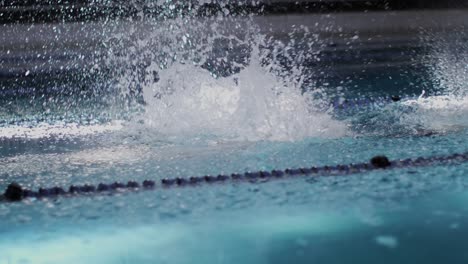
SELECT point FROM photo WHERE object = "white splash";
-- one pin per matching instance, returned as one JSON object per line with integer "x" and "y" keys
{"x": 448, "y": 62}
{"x": 45, "y": 130}
{"x": 252, "y": 105}
{"x": 444, "y": 112}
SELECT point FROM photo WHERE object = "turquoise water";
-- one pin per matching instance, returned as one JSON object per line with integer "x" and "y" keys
{"x": 386, "y": 216}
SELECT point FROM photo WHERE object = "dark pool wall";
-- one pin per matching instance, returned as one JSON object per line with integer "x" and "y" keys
{"x": 16, "y": 11}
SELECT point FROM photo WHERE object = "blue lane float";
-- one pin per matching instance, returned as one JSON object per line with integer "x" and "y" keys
{"x": 15, "y": 192}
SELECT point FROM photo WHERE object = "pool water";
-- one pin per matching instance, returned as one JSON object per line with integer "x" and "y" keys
{"x": 193, "y": 118}
{"x": 388, "y": 215}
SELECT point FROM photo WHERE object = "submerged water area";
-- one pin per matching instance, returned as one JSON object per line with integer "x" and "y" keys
{"x": 183, "y": 93}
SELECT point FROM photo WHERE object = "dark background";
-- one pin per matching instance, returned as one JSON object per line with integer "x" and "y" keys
{"x": 14, "y": 11}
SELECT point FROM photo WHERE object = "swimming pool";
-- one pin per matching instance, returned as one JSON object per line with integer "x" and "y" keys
{"x": 292, "y": 101}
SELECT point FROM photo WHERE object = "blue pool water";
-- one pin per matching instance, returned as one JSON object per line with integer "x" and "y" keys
{"x": 137, "y": 115}
{"x": 392, "y": 215}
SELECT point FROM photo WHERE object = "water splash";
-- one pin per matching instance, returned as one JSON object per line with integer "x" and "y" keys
{"x": 251, "y": 105}
{"x": 448, "y": 64}
{"x": 439, "y": 113}
{"x": 423, "y": 116}
{"x": 220, "y": 77}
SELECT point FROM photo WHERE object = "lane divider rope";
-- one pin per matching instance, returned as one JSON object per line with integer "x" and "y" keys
{"x": 16, "y": 192}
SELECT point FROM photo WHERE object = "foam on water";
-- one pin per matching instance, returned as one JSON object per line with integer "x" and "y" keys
{"x": 45, "y": 130}
{"x": 441, "y": 113}
{"x": 251, "y": 105}
{"x": 444, "y": 108}
{"x": 448, "y": 65}
{"x": 219, "y": 77}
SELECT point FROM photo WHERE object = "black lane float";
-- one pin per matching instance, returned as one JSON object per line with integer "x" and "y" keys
{"x": 15, "y": 192}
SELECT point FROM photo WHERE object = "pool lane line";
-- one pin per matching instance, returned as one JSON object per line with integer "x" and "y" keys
{"x": 16, "y": 192}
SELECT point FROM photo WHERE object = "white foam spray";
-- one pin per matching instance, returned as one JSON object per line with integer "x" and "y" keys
{"x": 448, "y": 66}
{"x": 251, "y": 105}
{"x": 440, "y": 113}
{"x": 185, "y": 95}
